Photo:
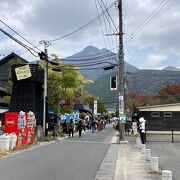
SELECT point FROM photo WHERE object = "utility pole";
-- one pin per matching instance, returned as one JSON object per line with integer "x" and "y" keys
{"x": 121, "y": 75}
{"x": 44, "y": 56}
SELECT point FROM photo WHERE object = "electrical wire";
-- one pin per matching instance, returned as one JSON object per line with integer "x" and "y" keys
{"x": 88, "y": 59}
{"x": 17, "y": 41}
{"x": 80, "y": 28}
{"x": 110, "y": 18}
{"x": 93, "y": 64}
{"x": 147, "y": 20}
{"x": 108, "y": 13}
{"x": 19, "y": 35}
{"x": 105, "y": 25}
{"x": 102, "y": 31}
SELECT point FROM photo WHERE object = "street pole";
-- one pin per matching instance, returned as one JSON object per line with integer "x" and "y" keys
{"x": 121, "y": 74}
{"x": 45, "y": 97}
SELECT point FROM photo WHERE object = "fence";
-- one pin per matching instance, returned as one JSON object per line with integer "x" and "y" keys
{"x": 163, "y": 136}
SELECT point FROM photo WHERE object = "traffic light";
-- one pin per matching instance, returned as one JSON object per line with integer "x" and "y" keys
{"x": 113, "y": 83}
{"x": 42, "y": 55}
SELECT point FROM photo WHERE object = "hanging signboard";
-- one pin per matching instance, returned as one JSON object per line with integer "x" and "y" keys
{"x": 23, "y": 72}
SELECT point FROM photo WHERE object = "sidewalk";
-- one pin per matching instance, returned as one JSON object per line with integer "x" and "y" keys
{"x": 131, "y": 164}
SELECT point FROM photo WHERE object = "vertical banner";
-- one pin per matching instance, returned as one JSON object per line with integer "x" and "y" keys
{"x": 121, "y": 104}
{"x": 31, "y": 123}
{"x": 22, "y": 128}
{"x": 95, "y": 106}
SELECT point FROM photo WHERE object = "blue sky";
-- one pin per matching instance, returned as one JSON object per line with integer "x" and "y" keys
{"x": 155, "y": 45}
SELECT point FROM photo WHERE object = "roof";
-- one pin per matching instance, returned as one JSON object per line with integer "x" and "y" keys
{"x": 3, "y": 110}
{"x": 11, "y": 56}
{"x": 162, "y": 107}
{"x": 2, "y": 91}
{"x": 82, "y": 107}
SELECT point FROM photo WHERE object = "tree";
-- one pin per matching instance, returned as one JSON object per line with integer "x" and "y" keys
{"x": 89, "y": 100}
{"x": 170, "y": 94}
{"x": 135, "y": 100}
{"x": 66, "y": 85}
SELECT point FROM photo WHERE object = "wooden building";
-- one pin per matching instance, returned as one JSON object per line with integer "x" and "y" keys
{"x": 164, "y": 117}
{"x": 5, "y": 67}
{"x": 3, "y": 106}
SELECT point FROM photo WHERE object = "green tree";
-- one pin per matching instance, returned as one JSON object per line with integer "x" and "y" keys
{"x": 64, "y": 85}
{"x": 89, "y": 100}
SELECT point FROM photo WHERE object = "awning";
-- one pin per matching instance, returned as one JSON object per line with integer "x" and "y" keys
{"x": 3, "y": 110}
{"x": 83, "y": 108}
{"x": 2, "y": 91}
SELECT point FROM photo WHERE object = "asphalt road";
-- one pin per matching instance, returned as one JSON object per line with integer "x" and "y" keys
{"x": 168, "y": 154}
{"x": 70, "y": 159}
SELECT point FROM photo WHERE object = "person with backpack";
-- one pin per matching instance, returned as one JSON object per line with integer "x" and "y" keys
{"x": 71, "y": 128}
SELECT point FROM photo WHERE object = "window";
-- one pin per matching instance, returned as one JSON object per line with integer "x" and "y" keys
{"x": 167, "y": 114}
{"x": 155, "y": 114}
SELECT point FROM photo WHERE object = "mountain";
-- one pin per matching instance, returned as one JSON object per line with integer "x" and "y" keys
{"x": 171, "y": 68}
{"x": 94, "y": 55}
{"x": 145, "y": 82}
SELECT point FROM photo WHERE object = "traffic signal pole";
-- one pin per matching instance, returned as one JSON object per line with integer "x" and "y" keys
{"x": 121, "y": 74}
{"x": 45, "y": 97}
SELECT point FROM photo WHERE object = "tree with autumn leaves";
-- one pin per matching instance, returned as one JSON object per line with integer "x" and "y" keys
{"x": 169, "y": 94}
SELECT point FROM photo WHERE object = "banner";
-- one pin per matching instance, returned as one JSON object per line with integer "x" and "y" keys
{"x": 23, "y": 72}
{"x": 95, "y": 106}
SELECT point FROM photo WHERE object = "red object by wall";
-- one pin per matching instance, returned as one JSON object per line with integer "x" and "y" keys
{"x": 10, "y": 124}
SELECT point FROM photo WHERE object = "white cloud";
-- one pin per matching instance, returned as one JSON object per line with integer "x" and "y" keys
{"x": 155, "y": 60}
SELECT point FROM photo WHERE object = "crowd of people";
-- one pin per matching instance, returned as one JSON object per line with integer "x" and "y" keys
{"x": 81, "y": 126}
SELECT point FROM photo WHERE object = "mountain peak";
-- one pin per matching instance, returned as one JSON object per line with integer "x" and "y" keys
{"x": 89, "y": 50}
{"x": 171, "y": 68}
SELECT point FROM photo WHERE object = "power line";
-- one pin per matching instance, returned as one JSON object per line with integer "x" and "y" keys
{"x": 108, "y": 14}
{"x": 147, "y": 20}
{"x": 104, "y": 19}
{"x": 19, "y": 35}
{"x": 80, "y": 28}
{"x": 93, "y": 64}
{"x": 19, "y": 42}
{"x": 100, "y": 24}
{"x": 88, "y": 59}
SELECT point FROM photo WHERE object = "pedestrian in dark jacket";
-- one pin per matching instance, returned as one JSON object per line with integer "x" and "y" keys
{"x": 93, "y": 125}
{"x": 71, "y": 128}
{"x": 80, "y": 127}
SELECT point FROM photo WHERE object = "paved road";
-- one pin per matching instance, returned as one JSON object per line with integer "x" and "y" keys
{"x": 168, "y": 154}
{"x": 71, "y": 159}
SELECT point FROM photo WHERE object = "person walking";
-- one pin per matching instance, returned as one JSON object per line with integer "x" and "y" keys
{"x": 93, "y": 124}
{"x": 98, "y": 125}
{"x": 80, "y": 127}
{"x": 71, "y": 128}
{"x": 65, "y": 127}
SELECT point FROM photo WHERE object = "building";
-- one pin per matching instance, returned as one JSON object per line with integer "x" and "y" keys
{"x": 5, "y": 67}
{"x": 3, "y": 105}
{"x": 164, "y": 117}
